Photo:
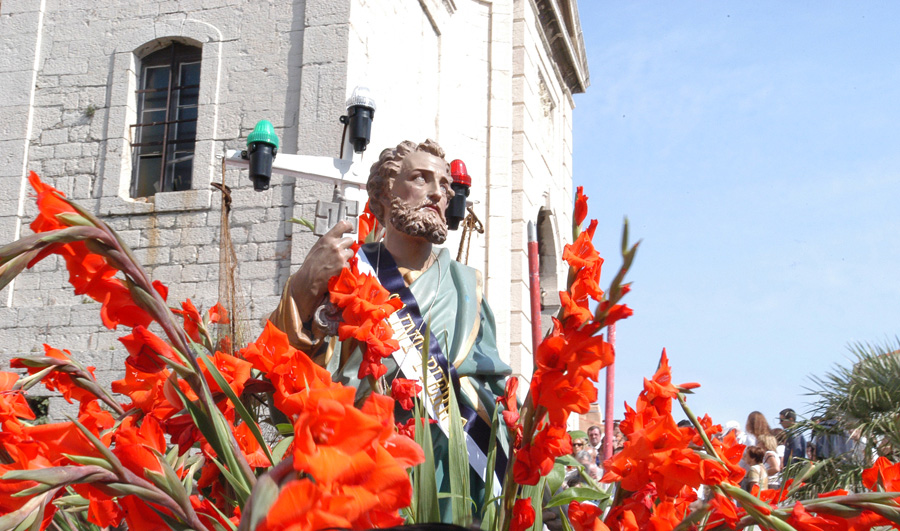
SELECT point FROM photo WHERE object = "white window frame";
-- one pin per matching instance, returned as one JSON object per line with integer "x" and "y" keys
{"x": 116, "y": 158}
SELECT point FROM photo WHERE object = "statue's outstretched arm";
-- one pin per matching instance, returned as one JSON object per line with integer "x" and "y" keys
{"x": 307, "y": 288}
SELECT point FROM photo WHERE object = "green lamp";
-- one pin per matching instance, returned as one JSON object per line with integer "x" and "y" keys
{"x": 262, "y": 147}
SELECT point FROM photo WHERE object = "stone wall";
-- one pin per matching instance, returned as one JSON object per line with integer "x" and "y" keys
{"x": 83, "y": 69}
{"x": 541, "y": 173}
{"x": 476, "y": 75}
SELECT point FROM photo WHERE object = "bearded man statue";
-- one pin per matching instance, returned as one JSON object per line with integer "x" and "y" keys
{"x": 409, "y": 189}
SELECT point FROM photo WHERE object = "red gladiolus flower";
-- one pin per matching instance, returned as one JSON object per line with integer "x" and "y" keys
{"x": 146, "y": 350}
{"x": 235, "y": 371}
{"x": 522, "y": 515}
{"x": 575, "y": 312}
{"x": 13, "y": 405}
{"x": 367, "y": 224}
{"x": 724, "y": 508}
{"x": 801, "y": 520}
{"x": 882, "y": 474}
{"x": 586, "y": 517}
{"x": 250, "y": 447}
{"x": 580, "y": 205}
{"x": 134, "y": 445}
{"x": 102, "y": 510}
{"x": 89, "y": 272}
{"x": 59, "y": 380}
{"x": 562, "y": 394}
{"x": 404, "y": 390}
{"x": 530, "y": 465}
{"x": 409, "y": 428}
{"x": 510, "y": 402}
{"x": 365, "y": 305}
{"x": 218, "y": 314}
{"x": 192, "y": 320}
{"x": 581, "y": 254}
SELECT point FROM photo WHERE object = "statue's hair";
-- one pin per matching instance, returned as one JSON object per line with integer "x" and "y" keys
{"x": 388, "y": 166}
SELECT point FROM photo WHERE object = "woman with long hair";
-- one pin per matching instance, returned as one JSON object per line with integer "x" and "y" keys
{"x": 756, "y": 425}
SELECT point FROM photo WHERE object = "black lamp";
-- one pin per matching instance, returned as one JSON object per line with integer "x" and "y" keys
{"x": 262, "y": 147}
{"x": 360, "y": 113}
{"x": 456, "y": 209}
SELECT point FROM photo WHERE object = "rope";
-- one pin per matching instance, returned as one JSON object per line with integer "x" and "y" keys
{"x": 470, "y": 225}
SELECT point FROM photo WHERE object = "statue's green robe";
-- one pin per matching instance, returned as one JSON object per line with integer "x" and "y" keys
{"x": 451, "y": 302}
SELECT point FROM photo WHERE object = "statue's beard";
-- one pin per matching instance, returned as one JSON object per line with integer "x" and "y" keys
{"x": 422, "y": 222}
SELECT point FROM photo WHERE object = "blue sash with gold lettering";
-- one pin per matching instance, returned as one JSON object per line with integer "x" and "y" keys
{"x": 410, "y": 320}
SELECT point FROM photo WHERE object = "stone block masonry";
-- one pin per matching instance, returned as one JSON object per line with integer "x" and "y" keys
{"x": 479, "y": 76}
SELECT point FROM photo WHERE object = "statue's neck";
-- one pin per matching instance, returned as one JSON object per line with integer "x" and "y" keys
{"x": 409, "y": 252}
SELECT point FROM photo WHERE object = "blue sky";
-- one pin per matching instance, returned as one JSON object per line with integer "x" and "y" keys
{"x": 755, "y": 149}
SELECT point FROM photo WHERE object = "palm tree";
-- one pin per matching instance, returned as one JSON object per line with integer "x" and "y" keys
{"x": 863, "y": 402}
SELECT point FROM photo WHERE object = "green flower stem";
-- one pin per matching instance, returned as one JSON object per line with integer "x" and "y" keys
{"x": 161, "y": 312}
{"x": 699, "y": 427}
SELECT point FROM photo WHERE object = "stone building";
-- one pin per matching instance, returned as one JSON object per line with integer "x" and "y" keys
{"x": 85, "y": 85}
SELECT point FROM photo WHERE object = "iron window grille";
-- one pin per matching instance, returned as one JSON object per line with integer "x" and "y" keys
{"x": 166, "y": 129}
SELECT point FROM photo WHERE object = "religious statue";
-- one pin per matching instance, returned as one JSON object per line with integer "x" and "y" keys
{"x": 409, "y": 189}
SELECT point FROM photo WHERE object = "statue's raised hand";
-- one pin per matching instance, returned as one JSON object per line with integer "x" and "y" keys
{"x": 328, "y": 256}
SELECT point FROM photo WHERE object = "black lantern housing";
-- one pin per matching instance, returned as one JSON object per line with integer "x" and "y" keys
{"x": 262, "y": 147}
{"x": 360, "y": 113}
{"x": 456, "y": 209}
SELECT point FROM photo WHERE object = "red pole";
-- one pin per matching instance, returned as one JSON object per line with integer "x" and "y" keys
{"x": 610, "y": 387}
{"x": 534, "y": 284}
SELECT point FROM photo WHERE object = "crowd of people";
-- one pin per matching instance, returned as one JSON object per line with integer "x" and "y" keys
{"x": 589, "y": 453}
{"x": 768, "y": 450}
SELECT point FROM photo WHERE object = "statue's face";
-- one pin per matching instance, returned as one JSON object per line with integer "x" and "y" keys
{"x": 423, "y": 182}
{"x": 420, "y": 194}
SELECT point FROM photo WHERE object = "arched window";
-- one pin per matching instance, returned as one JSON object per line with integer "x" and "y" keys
{"x": 550, "y": 260}
{"x": 164, "y": 135}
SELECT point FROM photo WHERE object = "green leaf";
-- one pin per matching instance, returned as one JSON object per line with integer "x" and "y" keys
{"x": 200, "y": 420}
{"x": 175, "y": 488}
{"x": 158, "y": 479}
{"x": 212, "y": 432}
{"x": 72, "y": 219}
{"x": 239, "y": 488}
{"x": 304, "y": 222}
{"x": 171, "y": 523}
{"x": 188, "y": 480}
{"x": 133, "y": 490}
{"x": 280, "y": 448}
{"x": 425, "y": 483}
{"x": 224, "y": 434}
{"x": 72, "y": 500}
{"x": 489, "y": 507}
{"x": 556, "y": 477}
{"x": 180, "y": 369}
{"x": 577, "y": 494}
{"x": 24, "y": 515}
{"x": 31, "y": 380}
{"x": 285, "y": 428}
{"x": 238, "y": 405}
{"x": 567, "y": 460}
{"x": 215, "y": 522}
{"x": 13, "y": 267}
{"x": 264, "y": 495}
{"x": 37, "y": 489}
{"x": 460, "y": 503}
{"x": 86, "y": 460}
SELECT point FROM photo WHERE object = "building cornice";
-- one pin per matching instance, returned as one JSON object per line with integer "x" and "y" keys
{"x": 562, "y": 28}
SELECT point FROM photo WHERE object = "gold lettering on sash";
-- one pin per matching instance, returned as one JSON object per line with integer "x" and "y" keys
{"x": 438, "y": 388}
{"x": 411, "y": 331}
